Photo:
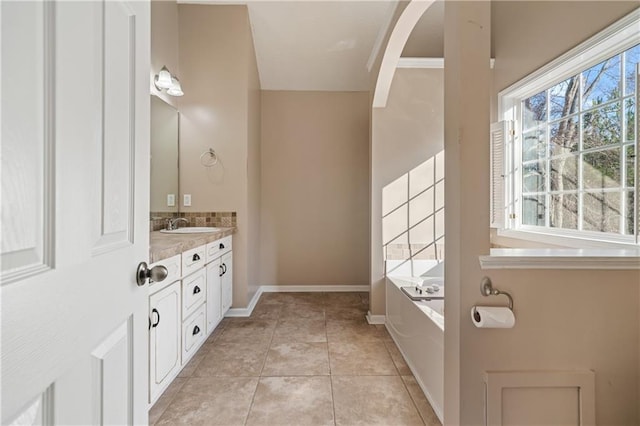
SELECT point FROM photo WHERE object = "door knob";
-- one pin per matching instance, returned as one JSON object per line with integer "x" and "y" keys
{"x": 157, "y": 273}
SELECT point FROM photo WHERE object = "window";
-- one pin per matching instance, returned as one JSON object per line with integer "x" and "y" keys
{"x": 570, "y": 163}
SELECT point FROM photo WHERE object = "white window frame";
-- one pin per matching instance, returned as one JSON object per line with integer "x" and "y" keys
{"x": 613, "y": 40}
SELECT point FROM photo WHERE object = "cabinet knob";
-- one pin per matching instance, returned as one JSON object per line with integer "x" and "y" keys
{"x": 196, "y": 257}
{"x": 196, "y": 290}
{"x": 221, "y": 246}
{"x": 196, "y": 330}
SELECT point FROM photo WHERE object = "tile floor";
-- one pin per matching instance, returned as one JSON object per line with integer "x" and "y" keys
{"x": 300, "y": 359}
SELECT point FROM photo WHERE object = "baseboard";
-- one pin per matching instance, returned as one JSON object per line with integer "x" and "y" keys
{"x": 375, "y": 319}
{"x": 245, "y": 312}
{"x": 312, "y": 288}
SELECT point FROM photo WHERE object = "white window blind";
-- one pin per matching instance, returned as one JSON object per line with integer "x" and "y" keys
{"x": 499, "y": 134}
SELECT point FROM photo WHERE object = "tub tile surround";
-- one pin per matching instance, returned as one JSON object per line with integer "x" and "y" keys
{"x": 158, "y": 220}
{"x": 283, "y": 365}
{"x": 163, "y": 246}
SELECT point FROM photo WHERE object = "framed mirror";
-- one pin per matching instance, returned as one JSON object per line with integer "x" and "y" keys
{"x": 164, "y": 157}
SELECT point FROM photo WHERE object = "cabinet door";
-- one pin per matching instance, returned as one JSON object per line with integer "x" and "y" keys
{"x": 164, "y": 338}
{"x": 226, "y": 263}
{"x": 214, "y": 304}
{"x": 193, "y": 292}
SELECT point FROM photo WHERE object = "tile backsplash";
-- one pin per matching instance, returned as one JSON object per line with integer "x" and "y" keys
{"x": 220, "y": 219}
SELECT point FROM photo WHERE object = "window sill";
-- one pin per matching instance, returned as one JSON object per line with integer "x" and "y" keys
{"x": 625, "y": 258}
{"x": 545, "y": 240}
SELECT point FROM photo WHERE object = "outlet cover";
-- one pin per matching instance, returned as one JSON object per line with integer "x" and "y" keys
{"x": 171, "y": 200}
{"x": 186, "y": 200}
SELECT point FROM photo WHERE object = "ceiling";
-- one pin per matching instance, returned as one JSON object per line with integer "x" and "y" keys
{"x": 323, "y": 46}
{"x": 326, "y": 45}
{"x": 427, "y": 38}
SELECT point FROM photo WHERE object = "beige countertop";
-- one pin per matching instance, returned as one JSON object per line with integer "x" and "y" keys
{"x": 163, "y": 246}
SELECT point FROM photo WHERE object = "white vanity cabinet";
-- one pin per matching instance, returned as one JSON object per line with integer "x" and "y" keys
{"x": 226, "y": 281}
{"x": 214, "y": 293}
{"x": 186, "y": 307}
{"x": 165, "y": 321}
{"x": 219, "y": 281}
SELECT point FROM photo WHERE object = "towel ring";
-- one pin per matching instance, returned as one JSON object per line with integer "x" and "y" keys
{"x": 209, "y": 158}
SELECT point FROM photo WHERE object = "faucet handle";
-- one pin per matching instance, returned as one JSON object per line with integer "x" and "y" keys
{"x": 169, "y": 224}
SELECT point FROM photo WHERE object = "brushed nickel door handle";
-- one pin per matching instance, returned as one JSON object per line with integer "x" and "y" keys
{"x": 157, "y": 273}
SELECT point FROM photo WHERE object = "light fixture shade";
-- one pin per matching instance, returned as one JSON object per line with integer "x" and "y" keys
{"x": 163, "y": 79}
{"x": 175, "y": 89}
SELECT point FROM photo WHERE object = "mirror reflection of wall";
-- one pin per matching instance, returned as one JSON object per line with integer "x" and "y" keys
{"x": 164, "y": 157}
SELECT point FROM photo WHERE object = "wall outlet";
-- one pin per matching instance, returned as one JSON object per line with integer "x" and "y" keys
{"x": 186, "y": 200}
{"x": 171, "y": 200}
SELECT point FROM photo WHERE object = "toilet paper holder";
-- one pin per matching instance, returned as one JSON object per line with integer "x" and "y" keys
{"x": 486, "y": 288}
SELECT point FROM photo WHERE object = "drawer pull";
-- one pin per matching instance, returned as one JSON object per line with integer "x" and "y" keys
{"x": 196, "y": 290}
{"x": 196, "y": 257}
{"x": 221, "y": 246}
{"x": 196, "y": 330}
{"x": 224, "y": 268}
{"x": 154, "y": 325}
{"x": 221, "y": 270}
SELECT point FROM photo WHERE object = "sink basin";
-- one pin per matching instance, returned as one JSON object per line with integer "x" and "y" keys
{"x": 192, "y": 230}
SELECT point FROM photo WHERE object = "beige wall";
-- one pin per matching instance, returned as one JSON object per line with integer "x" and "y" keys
{"x": 164, "y": 43}
{"x": 405, "y": 134}
{"x": 565, "y": 319}
{"x": 314, "y": 188}
{"x": 254, "y": 172}
{"x": 218, "y": 111}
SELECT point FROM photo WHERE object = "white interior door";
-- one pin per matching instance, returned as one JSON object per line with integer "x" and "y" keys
{"x": 75, "y": 184}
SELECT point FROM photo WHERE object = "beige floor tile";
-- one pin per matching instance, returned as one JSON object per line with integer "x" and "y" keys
{"x": 384, "y": 333}
{"x": 194, "y": 362}
{"x": 398, "y": 359}
{"x": 292, "y": 401}
{"x": 314, "y": 298}
{"x": 352, "y": 330}
{"x": 276, "y": 367}
{"x": 297, "y": 359}
{"x": 302, "y": 298}
{"x": 302, "y": 311}
{"x": 165, "y": 400}
{"x": 248, "y": 331}
{"x": 344, "y": 299}
{"x": 361, "y": 359}
{"x": 233, "y": 359}
{"x": 424, "y": 408}
{"x": 373, "y": 400}
{"x": 211, "y": 401}
{"x": 342, "y": 313}
{"x": 271, "y": 299}
{"x": 300, "y": 330}
{"x": 266, "y": 311}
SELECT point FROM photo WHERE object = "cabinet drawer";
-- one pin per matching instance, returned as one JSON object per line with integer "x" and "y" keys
{"x": 194, "y": 290}
{"x": 193, "y": 259}
{"x": 218, "y": 248}
{"x": 174, "y": 267}
{"x": 193, "y": 333}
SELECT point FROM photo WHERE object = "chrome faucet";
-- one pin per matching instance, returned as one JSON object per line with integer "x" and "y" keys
{"x": 173, "y": 223}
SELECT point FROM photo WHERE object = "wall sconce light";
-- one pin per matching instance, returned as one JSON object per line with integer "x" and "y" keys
{"x": 165, "y": 80}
